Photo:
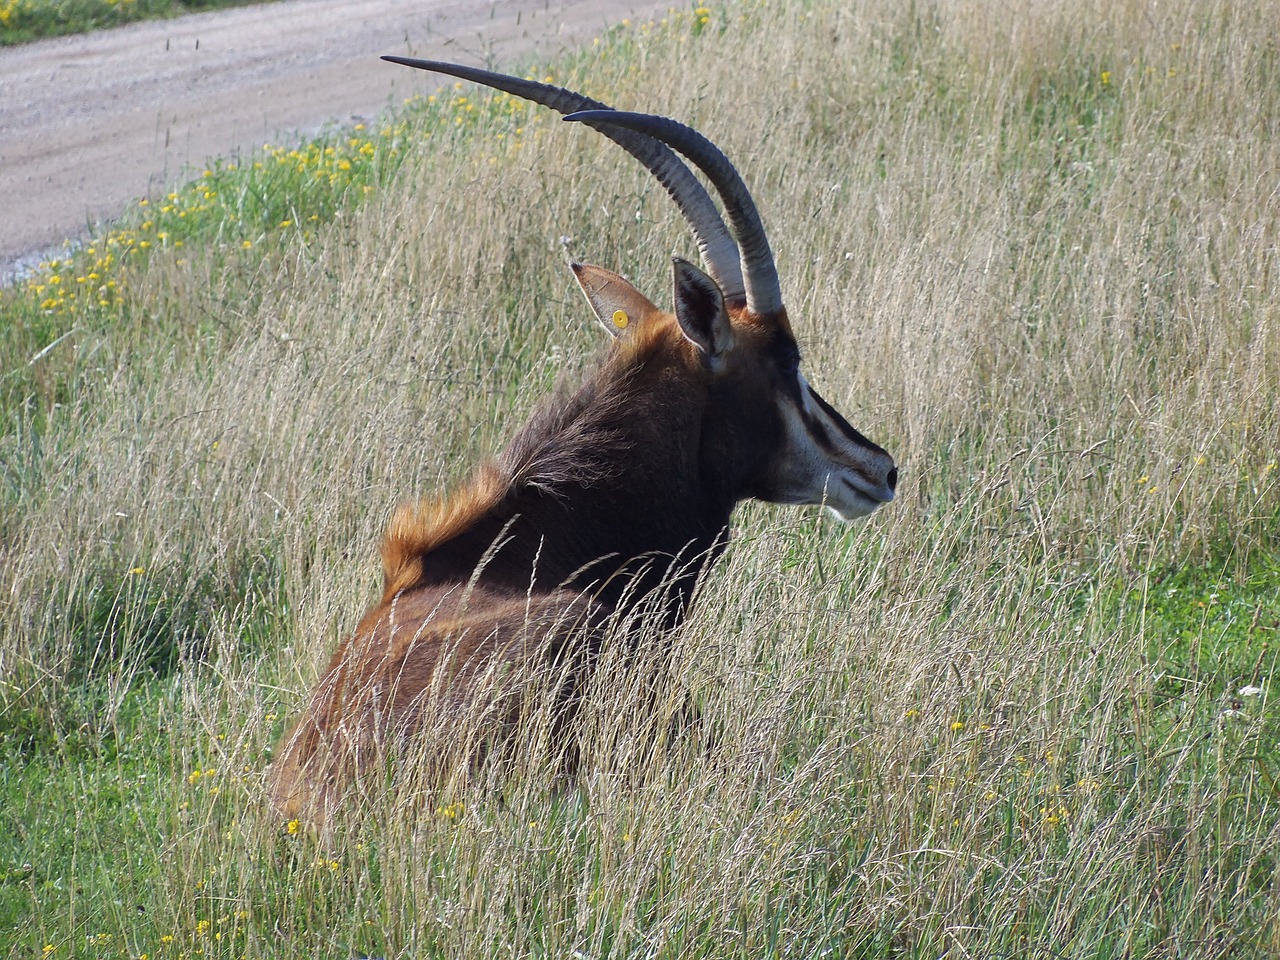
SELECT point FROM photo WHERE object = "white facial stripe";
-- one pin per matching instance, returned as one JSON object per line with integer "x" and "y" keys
{"x": 822, "y": 464}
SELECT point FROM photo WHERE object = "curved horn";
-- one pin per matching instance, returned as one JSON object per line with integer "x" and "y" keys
{"x": 764, "y": 295}
{"x": 715, "y": 243}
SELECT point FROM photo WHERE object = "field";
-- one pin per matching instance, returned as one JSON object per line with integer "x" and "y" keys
{"x": 1025, "y": 711}
{"x": 22, "y": 21}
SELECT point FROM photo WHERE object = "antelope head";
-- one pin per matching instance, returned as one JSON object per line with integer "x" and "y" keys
{"x": 788, "y": 444}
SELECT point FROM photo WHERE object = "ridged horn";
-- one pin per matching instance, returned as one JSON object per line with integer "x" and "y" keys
{"x": 715, "y": 243}
{"x": 764, "y": 295}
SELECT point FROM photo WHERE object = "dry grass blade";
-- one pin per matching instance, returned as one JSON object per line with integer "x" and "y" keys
{"x": 1026, "y": 712}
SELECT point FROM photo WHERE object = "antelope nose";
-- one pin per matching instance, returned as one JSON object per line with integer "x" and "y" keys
{"x": 892, "y": 479}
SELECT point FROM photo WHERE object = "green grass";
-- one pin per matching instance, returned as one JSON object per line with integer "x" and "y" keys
{"x": 1027, "y": 711}
{"x": 226, "y": 218}
{"x": 22, "y": 21}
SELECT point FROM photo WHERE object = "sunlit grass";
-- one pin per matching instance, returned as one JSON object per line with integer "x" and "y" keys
{"x": 84, "y": 301}
{"x": 1026, "y": 711}
{"x": 24, "y": 20}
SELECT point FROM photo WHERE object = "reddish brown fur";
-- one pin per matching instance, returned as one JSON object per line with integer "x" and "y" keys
{"x": 425, "y": 659}
{"x": 416, "y": 528}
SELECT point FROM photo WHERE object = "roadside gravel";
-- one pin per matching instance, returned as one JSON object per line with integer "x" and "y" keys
{"x": 90, "y": 122}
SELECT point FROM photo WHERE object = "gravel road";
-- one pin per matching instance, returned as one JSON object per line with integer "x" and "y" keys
{"x": 88, "y": 123}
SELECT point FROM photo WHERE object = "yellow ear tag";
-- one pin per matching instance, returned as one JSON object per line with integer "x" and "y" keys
{"x": 620, "y": 319}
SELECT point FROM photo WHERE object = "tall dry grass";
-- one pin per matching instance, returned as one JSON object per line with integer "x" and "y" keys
{"x": 1030, "y": 248}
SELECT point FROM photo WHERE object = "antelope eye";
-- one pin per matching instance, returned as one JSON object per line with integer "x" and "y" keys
{"x": 786, "y": 354}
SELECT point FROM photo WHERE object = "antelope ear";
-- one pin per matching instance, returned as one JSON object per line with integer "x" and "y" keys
{"x": 615, "y": 302}
{"x": 701, "y": 314}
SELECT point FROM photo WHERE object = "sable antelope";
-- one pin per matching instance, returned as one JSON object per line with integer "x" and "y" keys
{"x": 608, "y": 498}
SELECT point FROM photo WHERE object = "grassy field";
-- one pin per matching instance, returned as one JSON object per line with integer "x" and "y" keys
{"x": 24, "y": 20}
{"x": 1026, "y": 711}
